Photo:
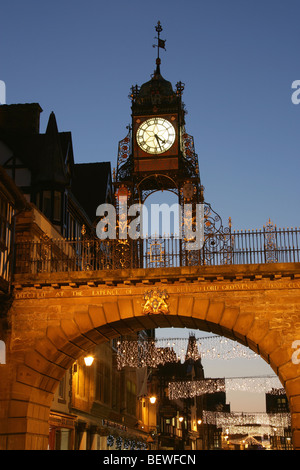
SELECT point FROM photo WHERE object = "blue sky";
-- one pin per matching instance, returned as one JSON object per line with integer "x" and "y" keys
{"x": 237, "y": 58}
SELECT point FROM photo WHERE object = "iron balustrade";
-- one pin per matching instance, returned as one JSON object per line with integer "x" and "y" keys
{"x": 236, "y": 247}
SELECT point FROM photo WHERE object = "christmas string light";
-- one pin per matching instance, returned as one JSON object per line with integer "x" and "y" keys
{"x": 254, "y": 430}
{"x": 209, "y": 347}
{"x": 252, "y": 384}
{"x": 192, "y": 388}
{"x": 143, "y": 353}
{"x": 248, "y": 423}
{"x": 154, "y": 352}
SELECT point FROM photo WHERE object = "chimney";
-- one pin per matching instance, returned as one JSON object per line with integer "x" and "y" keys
{"x": 20, "y": 118}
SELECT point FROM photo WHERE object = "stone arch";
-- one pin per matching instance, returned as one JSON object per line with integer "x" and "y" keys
{"x": 35, "y": 373}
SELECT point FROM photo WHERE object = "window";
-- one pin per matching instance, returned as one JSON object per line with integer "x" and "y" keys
{"x": 82, "y": 381}
{"x": 106, "y": 384}
{"x": 102, "y": 391}
{"x": 62, "y": 389}
{"x": 4, "y": 216}
{"x": 131, "y": 397}
{"x": 46, "y": 204}
{"x": 115, "y": 390}
{"x": 38, "y": 200}
{"x": 99, "y": 392}
{"x": 57, "y": 206}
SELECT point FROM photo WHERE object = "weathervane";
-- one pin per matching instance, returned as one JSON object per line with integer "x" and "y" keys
{"x": 160, "y": 42}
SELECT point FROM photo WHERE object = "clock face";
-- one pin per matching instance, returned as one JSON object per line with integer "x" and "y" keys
{"x": 156, "y": 135}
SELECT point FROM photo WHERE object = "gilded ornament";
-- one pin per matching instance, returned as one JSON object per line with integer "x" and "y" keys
{"x": 155, "y": 302}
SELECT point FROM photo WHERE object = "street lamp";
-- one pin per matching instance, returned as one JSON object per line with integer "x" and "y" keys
{"x": 152, "y": 399}
{"x": 88, "y": 360}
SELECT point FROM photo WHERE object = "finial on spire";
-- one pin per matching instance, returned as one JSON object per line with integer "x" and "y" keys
{"x": 160, "y": 43}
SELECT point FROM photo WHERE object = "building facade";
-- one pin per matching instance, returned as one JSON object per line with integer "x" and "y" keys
{"x": 45, "y": 196}
{"x": 277, "y": 404}
{"x": 105, "y": 408}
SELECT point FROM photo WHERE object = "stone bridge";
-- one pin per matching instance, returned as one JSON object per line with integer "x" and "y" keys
{"x": 57, "y": 317}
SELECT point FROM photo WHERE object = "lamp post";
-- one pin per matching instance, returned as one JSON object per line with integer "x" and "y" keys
{"x": 152, "y": 414}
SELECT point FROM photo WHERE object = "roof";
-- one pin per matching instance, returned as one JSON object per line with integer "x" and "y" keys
{"x": 89, "y": 185}
{"x": 157, "y": 92}
{"x": 157, "y": 84}
{"x": 44, "y": 154}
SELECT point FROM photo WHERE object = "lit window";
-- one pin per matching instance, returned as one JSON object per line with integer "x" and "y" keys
{"x": 2, "y": 353}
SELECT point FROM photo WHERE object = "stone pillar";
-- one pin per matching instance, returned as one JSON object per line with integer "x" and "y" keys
{"x": 295, "y": 416}
{"x": 24, "y": 407}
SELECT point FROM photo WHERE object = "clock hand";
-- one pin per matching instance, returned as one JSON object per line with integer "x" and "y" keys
{"x": 163, "y": 141}
{"x": 157, "y": 138}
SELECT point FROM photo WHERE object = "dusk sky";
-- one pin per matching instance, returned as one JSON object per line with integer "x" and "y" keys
{"x": 237, "y": 58}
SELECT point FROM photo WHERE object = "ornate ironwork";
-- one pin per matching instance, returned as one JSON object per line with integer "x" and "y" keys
{"x": 134, "y": 91}
{"x": 122, "y": 254}
{"x": 179, "y": 88}
{"x": 124, "y": 159}
{"x": 270, "y": 242}
{"x": 218, "y": 239}
{"x": 222, "y": 246}
{"x": 156, "y": 252}
{"x": 189, "y": 155}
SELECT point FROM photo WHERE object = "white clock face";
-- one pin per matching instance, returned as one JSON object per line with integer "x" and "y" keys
{"x": 156, "y": 135}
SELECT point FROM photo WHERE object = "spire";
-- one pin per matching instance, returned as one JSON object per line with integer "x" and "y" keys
{"x": 52, "y": 125}
{"x": 160, "y": 45}
{"x": 192, "y": 349}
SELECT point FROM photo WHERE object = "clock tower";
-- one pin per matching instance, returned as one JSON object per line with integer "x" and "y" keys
{"x": 157, "y": 154}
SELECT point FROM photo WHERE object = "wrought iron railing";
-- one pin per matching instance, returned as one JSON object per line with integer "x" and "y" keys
{"x": 268, "y": 245}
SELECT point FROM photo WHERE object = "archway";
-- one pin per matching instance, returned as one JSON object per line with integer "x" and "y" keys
{"x": 50, "y": 330}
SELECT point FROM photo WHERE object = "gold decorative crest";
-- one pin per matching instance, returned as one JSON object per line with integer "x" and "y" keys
{"x": 155, "y": 301}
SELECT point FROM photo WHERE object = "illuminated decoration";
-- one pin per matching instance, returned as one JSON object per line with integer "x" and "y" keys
{"x": 141, "y": 353}
{"x": 277, "y": 391}
{"x": 209, "y": 347}
{"x": 192, "y": 388}
{"x": 155, "y": 302}
{"x": 126, "y": 444}
{"x": 119, "y": 443}
{"x": 248, "y": 423}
